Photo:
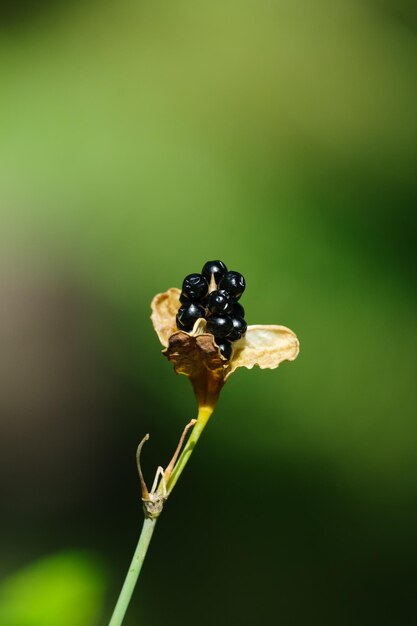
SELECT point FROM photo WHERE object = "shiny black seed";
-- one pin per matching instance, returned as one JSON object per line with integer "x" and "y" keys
{"x": 236, "y": 310}
{"x": 225, "y": 347}
{"x": 202, "y": 301}
{"x": 184, "y": 299}
{"x": 219, "y": 325}
{"x": 234, "y": 283}
{"x": 194, "y": 287}
{"x": 188, "y": 314}
{"x": 217, "y": 268}
{"x": 239, "y": 329}
{"x": 218, "y": 302}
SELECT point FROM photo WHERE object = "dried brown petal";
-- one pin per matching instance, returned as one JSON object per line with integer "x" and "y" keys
{"x": 197, "y": 357}
{"x": 164, "y": 310}
{"x": 265, "y": 346}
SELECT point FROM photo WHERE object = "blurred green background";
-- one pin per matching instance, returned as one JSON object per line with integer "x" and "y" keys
{"x": 139, "y": 140}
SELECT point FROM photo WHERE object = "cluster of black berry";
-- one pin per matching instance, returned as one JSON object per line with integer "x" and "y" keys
{"x": 221, "y": 309}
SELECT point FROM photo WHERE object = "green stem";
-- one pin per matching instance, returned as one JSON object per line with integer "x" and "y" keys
{"x": 149, "y": 523}
{"x": 202, "y": 419}
{"x": 133, "y": 573}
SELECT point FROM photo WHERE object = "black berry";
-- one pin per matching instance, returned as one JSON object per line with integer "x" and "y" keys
{"x": 188, "y": 314}
{"x": 184, "y": 299}
{"x": 224, "y": 315}
{"x": 236, "y": 310}
{"x": 217, "y": 268}
{"x": 234, "y": 283}
{"x": 218, "y": 302}
{"x": 225, "y": 347}
{"x": 194, "y": 287}
{"x": 239, "y": 329}
{"x": 219, "y": 325}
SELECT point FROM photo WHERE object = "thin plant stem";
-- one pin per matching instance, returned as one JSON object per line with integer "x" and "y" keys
{"x": 149, "y": 523}
{"x": 202, "y": 419}
{"x": 133, "y": 573}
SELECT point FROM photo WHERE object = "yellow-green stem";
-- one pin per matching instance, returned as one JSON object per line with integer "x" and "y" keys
{"x": 204, "y": 413}
{"x": 149, "y": 523}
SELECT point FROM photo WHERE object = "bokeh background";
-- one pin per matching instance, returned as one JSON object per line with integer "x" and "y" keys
{"x": 138, "y": 140}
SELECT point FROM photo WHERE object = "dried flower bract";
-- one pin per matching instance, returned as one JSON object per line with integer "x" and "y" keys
{"x": 196, "y": 355}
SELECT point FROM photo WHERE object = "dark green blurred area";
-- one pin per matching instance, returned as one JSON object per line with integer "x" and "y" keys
{"x": 139, "y": 140}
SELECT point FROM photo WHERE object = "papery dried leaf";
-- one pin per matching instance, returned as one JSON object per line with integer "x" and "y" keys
{"x": 164, "y": 310}
{"x": 265, "y": 346}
